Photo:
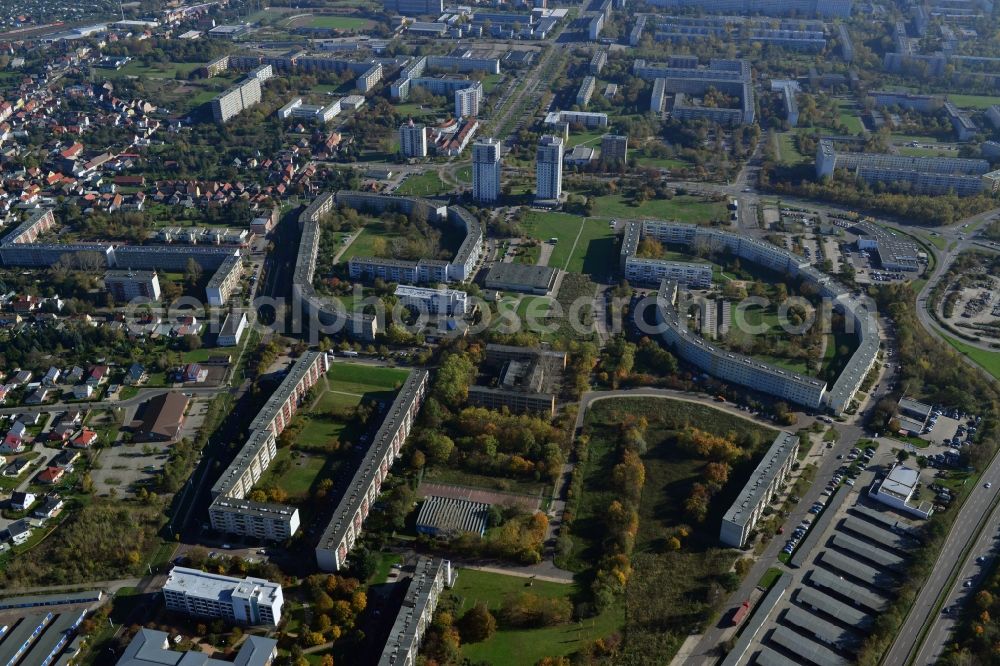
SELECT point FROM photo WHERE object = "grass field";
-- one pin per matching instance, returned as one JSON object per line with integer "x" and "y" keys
{"x": 594, "y": 241}
{"x": 591, "y": 138}
{"x": 357, "y": 378}
{"x": 427, "y": 184}
{"x": 363, "y": 244}
{"x": 300, "y": 475}
{"x": 681, "y": 208}
{"x": 166, "y": 70}
{"x": 662, "y": 162}
{"x": 973, "y": 101}
{"x": 790, "y": 154}
{"x": 849, "y": 117}
{"x": 339, "y": 22}
{"x": 990, "y": 361}
{"x": 526, "y": 646}
{"x": 911, "y": 151}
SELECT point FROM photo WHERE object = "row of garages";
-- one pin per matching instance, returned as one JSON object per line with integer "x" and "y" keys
{"x": 828, "y": 615}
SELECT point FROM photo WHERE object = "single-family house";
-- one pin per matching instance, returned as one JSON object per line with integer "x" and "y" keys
{"x": 61, "y": 432}
{"x": 194, "y": 373}
{"x": 18, "y": 429}
{"x": 97, "y": 375}
{"x": 11, "y": 444}
{"x": 30, "y": 418}
{"x": 72, "y": 417}
{"x": 85, "y": 439}
{"x": 75, "y": 375}
{"x": 21, "y": 501}
{"x": 51, "y": 475}
{"x": 50, "y": 507}
{"x": 83, "y": 392}
{"x": 22, "y": 377}
{"x": 38, "y": 397}
{"x": 16, "y": 467}
{"x": 65, "y": 459}
{"x": 18, "y": 532}
{"x": 136, "y": 375}
{"x": 51, "y": 377}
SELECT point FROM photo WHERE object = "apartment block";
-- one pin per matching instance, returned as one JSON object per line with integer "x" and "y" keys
{"x": 230, "y": 512}
{"x": 835, "y": 8}
{"x": 586, "y": 91}
{"x": 439, "y": 301}
{"x": 224, "y": 281}
{"x": 762, "y": 486}
{"x": 430, "y": 577}
{"x": 486, "y": 169}
{"x": 468, "y": 101}
{"x": 231, "y": 102}
{"x": 614, "y": 148}
{"x": 548, "y": 168}
{"x": 598, "y": 62}
{"x": 686, "y": 80}
{"x": 127, "y": 285}
{"x": 921, "y": 175}
{"x": 413, "y": 140}
{"x": 369, "y": 78}
{"x": 249, "y": 601}
{"x": 315, "y": 113}
{"x": 348, "y": 518}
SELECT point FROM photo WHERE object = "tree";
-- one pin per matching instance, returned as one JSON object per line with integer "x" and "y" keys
{"x": 192, "y": 272}
{"x": 439, "y": 446}
{"x": 477, "y": 625}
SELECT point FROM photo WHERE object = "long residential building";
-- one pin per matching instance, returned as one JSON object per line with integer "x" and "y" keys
{"x": 348, "y": 518}
{"x": 837, "y": 8}
{"x": 233, "y": 101}
{"x": 683, "y": 77}
{"x": 760, "y": 488}
{"x": 750, "y": 372}
{"x": 248, "y": 601}
{"x": 439, "y": 301}
{"x": 430, "y": 577}
{"x": 586, "y": 91}
{"x": 459, "y": 269}
{"x": 641, "y": 270}
{"x": 230, "y": 511}
{"x": 919, "y": 175}
{"x": 324, "y": 313}
{"x": 224, "y": 281}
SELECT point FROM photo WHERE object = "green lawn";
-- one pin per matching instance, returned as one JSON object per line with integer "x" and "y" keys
{"x": 849, "y": 117}
{"x": 661, "y": 162}
{"x": 427, "y": 184}
{"x": 414, "y": 110}
{"x": 321, "y": 432}
{"x": 166, "y": 70}
{"x": 340, "y": 22}
{"x": 363, "y": 244}
{"x": 990, "y": 361}
{"x": 358, "y": 378}
{"x": 300, "y": 476}
{"x": 973, "y": 101}
{"x": 510, "y": 647}
{"x": 790, "y": 154}
{"x": 591, "y": 138}
{"x": 910, "y": 151}
{"x": 683, "y": 208}
{"x": 385, "y": 562}
{"x": 464, "y": 174}
{"x": 202, "y": 355}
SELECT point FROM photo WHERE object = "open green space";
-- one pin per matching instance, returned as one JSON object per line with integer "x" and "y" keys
{"x": 990, "y": 361}
{"x": 911, "y": 151}
{"x": 363, "y": 244}
{"x": 973, "y": 101}
{"x": 426, "y": 184}
{"x": 361, "y": 379}
{"x": 585, "y": 245}
{"x": 339, "y": 22}
{"x": 461, "y": 477}
{"x": 919, "y": 138}
{"x": 293, "y": 472}
{"x": 683, "y": 208}
{"x": 788, "y": 151}
{"x": 849, "y": 117}
{"x": 661, "y": 162}
{"x": 167, "y": 70}
{"x": 416, "y": 110}
{"x": 514, "y": 647}
{"x": 671, "y": 593}
{"x": 591, "y": 138}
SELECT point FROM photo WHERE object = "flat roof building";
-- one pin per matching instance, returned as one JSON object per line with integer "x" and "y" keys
{"x": 762, "y": 485}
{"x": 447, "y": 516}
{"x": 521, "y": 277}
{"x": 152, "y": 648}
{"x": 430, "y": 577}
{"x": 250, "y": 601}
{"x": 897, "y": 488}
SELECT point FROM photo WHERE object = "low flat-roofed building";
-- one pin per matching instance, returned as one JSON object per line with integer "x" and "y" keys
{"x": 152, "y": 648}
{"x": 427, "y": 300}
{"x": 762, "y": 485}
{"x": 447, "y": 516}
{"x": 915, "y": 409}
{"x": 897, "y": 488}
{"x": 163, "y": 418}
{"x": 521, "y": 277}
{"x": 250, "y": 601}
